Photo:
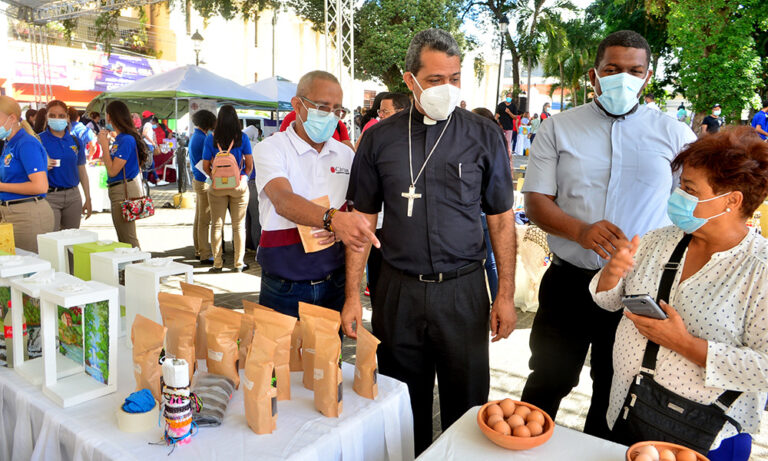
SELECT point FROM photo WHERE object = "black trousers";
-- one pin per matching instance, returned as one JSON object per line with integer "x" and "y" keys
{"x": 427, "y": 328}
{"x": 374, "y": 267}
{"x": 252, "y": 225}
{"x": 566, "y": 324}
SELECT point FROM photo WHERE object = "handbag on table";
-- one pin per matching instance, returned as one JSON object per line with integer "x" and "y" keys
{"x": 653, "y": 412}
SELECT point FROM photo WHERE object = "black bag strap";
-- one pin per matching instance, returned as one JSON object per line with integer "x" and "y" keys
{"x": 727, "y": 398}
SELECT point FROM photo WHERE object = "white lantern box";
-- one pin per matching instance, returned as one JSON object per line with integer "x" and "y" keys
{"x": 13, "y": 267}
{"x": 110, "y": 267}
{"x": 25, "y": 292}
{"x": 85, "y": 316}
{"x": 142, "y": 285}
{"x": 56, "y": 247}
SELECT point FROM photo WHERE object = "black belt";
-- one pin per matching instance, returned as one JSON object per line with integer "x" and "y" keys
{"x": 117, "y": 183}
{"x": 59, "y": 189}
{"x": 443, "y": 276}
{"x": 21, "y": 200}
{"x": 307, "y": 282}
{"x": 557, "y": 261}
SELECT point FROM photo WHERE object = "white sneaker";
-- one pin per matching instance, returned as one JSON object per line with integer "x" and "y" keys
{"x": 162, "y": 183}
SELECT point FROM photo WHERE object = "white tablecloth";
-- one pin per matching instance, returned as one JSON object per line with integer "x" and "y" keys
{"x": 99, "y": 196}
{"x": 33, "y": 428}
{"x": 464, "y": 440}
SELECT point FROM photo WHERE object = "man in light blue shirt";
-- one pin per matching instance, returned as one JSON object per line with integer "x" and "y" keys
{"x": 598, "y": 173}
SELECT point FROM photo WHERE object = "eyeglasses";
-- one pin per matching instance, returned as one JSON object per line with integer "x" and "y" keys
{"x": 339, "y": 112}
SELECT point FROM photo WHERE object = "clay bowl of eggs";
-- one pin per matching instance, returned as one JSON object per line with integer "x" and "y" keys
{"x": 515, "y": 425}
{"x": 662, "y": 451}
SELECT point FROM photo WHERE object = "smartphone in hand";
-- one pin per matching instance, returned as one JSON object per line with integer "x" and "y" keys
{"x": 644, "y": 305}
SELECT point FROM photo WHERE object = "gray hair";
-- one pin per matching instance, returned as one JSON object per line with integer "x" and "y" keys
{"x": 306, "y": 81}
{"x": 431, "y": 39}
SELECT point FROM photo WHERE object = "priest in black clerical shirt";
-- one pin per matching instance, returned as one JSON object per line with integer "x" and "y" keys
{"x": 434, "y": 168}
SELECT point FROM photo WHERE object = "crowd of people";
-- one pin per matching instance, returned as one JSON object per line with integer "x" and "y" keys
{"x": 627, "y": 195}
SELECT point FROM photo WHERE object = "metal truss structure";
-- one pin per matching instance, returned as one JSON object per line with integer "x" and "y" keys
{"x": 340, "y": 45}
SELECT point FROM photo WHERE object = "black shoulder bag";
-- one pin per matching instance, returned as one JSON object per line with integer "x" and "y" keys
{"x": 653, "y": 412}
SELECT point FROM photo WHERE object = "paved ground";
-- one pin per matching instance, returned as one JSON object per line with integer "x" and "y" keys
{"x": 169, "y": 233}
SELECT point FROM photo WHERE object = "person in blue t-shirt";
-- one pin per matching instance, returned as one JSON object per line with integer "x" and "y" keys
{"x": 760, "y": 121}
{"x": 204, "y": 122}
{"x": 82, "y": 132}
{"x": 122, "y": 161}
{"x": 228, "y": 132}
{"x": 66, "y": 169}
{"x": 23, "y": 178}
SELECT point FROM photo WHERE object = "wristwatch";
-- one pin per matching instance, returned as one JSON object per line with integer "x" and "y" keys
{"x": 327, "y": 218}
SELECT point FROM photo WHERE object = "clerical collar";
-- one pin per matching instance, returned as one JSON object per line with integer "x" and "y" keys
{"x": 421, "y": 118}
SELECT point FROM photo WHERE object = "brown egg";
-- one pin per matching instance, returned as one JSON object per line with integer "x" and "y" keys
{"x": 642, "y": 457}
{"x": 502, "y": 428}
{"x": 667, "y": 455}
{"x": 508, "y": 407}
{"x": 521, "y": 431}
{"x": 535, "y": 428}
{"x": 493, "y": 410}
{"x": 493, "y": 419}
{"x": 522, "y": 410}
{"x": 686, "y": 455}
{"x": 536, "y": 416}
{"x": 515, "y": 420}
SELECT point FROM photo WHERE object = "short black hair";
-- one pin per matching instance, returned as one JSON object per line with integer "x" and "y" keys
{"x": 765, "y": 103}
{"x": 399, "y": 100}
{"x": 650, "y": 96}
{"x": 625, "y": 38}
{"x": 430, "y": 39}
{"x": 204, "y": 119}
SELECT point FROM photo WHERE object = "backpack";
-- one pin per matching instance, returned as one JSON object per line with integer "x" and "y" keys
{"x": 225, "y": 172}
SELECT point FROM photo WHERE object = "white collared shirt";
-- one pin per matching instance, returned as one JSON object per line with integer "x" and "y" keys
{"x": 311, "y": 174}
{"x": 725, "y": 302}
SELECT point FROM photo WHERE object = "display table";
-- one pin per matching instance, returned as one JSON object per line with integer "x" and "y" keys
{"x": 463, "y": 440}
{"x": 33, "y": 427}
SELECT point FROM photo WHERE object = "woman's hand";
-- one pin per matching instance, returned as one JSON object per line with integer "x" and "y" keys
{"x": 620, "y": 264}
{"x": 672, "y": 334}
{"x": 103, "y": 139}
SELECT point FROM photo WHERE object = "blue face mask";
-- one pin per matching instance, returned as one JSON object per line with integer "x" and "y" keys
{"x": 5, "y": 132}
{"x": 320, "y": 125}
{"x": 57, "y": 124}
{"x": 619, "y": 92}
{"x": 680, "y": 207}
{"x": 508, "y": 99}
{"x": 109, "y": 126}
{"x": 154, "y": 125}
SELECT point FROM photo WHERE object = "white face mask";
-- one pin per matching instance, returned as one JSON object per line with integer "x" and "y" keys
{"x": 439, "y": 101}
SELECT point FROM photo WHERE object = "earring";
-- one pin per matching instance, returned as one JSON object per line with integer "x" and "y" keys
{"x": 727, "y": 210}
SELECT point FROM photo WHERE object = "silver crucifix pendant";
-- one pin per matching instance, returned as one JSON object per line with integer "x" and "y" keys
{"x": 411, "y": 195}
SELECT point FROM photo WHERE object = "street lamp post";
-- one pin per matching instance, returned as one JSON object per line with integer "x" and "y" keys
{"x": 197, "y": 44}
{"x": 503, "y": 26}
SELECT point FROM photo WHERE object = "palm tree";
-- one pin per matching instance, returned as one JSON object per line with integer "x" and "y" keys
{"x": 570, "y": 53}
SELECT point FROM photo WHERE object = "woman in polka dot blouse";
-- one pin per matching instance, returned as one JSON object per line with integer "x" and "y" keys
{"x": 716, "y": 335}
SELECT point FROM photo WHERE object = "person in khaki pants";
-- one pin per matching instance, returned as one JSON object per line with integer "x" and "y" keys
{"x": 122, "y": 162}
{"x": 23, "y": 178}
{"x": 204, "y": 122}
{"x": 228, "y": 133}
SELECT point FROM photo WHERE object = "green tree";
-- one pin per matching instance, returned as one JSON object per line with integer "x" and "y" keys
{"x": 715, "y": 48}
{"x": 384, "y": 29}
{"x": 570, "y": 53}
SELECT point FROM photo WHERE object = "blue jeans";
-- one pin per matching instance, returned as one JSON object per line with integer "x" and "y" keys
{"x": 284, "y": 295}
{"x": 490, "y": 261}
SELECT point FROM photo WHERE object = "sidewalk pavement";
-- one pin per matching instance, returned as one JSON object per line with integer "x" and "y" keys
{"x": 169, "y": 233}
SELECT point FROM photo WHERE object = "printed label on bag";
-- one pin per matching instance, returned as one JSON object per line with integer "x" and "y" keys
{"x": 216, "y": 356}
{"x": 319, "y": 373}
{"x": 676, "y": 408}
{"x": 248, "y": 383}
{"x": 137, "y": 368}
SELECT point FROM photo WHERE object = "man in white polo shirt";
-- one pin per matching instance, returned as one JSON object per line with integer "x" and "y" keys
{"x": 293, "y": 168}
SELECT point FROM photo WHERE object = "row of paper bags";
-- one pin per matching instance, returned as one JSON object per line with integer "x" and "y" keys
{"x": 267, "y": 344}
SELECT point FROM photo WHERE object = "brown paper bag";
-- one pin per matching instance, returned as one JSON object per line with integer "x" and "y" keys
{"x": 247, "y": 327}
{"x": 249, "y": 307}
{"x": 147, "y": 338}
{"x": 180, "y": 317}
{"x": 278, "y": 327}
{"x": 295, "y": 361}
{"x": 309, "y": 315}
{"x": 366, "y": 370}
{"x": 222, "y": 327}
{"x": 259, "y": 391}
{"x": 308, "y": 240}
{"x": 328, "y": 381}
{"x": 196, "y": 291}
